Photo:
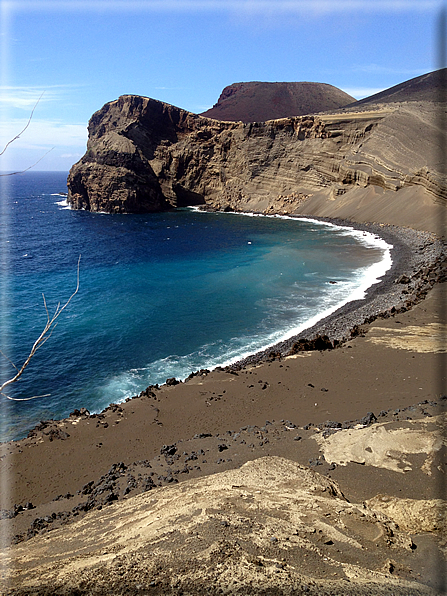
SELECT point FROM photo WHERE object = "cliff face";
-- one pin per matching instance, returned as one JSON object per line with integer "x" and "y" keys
{"x": 145, "y": 156}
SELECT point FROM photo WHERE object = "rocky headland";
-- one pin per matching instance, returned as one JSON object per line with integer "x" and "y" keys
{"x": 378, "y": 160}
{"x": 317, "y": 467}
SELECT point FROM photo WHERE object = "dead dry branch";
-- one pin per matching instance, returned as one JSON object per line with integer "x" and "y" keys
{"x": 18, "y": 137}
{"x": 43, "y": 337}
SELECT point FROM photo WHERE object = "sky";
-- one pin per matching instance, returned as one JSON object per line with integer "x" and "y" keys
{"x": 73, "y": 56}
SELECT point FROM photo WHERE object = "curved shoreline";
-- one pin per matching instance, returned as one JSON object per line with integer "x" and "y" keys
{"x": 409, "y": 256}
{"x": 371, "y": 276}
{"x": 412, "y": 252}
{"x": 415, "y": 254}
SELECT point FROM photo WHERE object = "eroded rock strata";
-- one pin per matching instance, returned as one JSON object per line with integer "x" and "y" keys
{"x": 369, "y": 163}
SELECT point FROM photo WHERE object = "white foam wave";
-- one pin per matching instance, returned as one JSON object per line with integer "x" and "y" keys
{"x": 368, "y": 239}
{"x": 63, "y": 204}
{"x": 216, "y": 354}
{"x": 364, "y": 237}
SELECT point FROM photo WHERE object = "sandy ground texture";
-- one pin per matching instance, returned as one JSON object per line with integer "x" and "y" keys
{"x": 365, "y": 420}
{"x": 269, "y": 527}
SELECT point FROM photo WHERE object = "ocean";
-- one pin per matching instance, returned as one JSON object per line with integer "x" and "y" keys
{"x": 160, "y": 295}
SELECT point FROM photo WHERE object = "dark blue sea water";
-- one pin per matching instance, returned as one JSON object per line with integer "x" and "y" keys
{"x": 160, "y": 295}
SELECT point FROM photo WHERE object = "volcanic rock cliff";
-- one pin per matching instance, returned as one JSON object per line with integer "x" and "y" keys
{"x": 377, "y": 162}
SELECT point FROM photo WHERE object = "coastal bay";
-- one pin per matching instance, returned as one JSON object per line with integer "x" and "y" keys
{"x": 315, "y": 466}
{"x": 246, "y": 283}
{"x": 387, "y": 371}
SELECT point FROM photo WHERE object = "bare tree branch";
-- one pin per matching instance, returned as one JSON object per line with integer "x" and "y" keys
{"x": 29, "y": 167}
{"x": 22, "y": 131}
{"x": 18, "y": 137}
{"x": 43, "y": 337}
{"x": 9, "y": 360}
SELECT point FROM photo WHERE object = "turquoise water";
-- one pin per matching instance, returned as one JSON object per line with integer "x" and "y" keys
{"x": 160, "y": 295}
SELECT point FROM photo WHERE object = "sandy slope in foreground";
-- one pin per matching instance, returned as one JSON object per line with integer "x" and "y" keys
{"x": 271, "y": 523}
{"x": 271, "y": 526}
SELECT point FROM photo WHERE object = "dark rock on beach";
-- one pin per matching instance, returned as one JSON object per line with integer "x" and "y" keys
{"x": 305, "y": 345}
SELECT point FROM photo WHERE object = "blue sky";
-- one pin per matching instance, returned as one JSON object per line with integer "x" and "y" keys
{"x": 81, "y": 54}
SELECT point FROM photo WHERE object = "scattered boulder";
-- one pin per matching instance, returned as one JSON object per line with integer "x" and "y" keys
{"x": 320, "y": 342}
{"x": 168, "y": 450}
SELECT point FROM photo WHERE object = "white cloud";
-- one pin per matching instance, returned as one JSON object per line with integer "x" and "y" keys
{"x": 26, "y": 97}
{"x": 380, "y": 69}
{"x": 42, "y": 134}
{"x": 252, "y": 6}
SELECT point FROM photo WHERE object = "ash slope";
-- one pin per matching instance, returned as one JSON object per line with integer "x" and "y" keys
{"x": 429, "y": 87}
{"x": 257, "y": 101}
{"x": 270, "y": 527}
{"x": 380, "y": 163}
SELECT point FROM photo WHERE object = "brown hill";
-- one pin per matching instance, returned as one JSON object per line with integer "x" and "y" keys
{"x": 380, "y": 163}
{"x": 258, "y": 102}
{"x": 428, "y": 87}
